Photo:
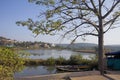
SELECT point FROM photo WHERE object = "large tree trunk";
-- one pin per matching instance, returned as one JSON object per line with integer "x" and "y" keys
{"x": 101, "y": 48}
{"x": 101, "y": 52}
{"x": 100, "y": 40}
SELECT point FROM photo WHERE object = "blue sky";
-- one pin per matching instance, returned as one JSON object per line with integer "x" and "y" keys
{"x": 15, "y": 10}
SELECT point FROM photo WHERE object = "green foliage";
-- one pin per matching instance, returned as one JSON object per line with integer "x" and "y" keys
{"x": 93, "y": 62}
{"x": 10, "y": 62}
{"x": 43, "y": 27}
{"x": 50, "y": 61}
{"x": 74, "y": 1}
{"x": 34, "y": 62}
{"x": 61, "y": 60}
{"x": 76, "y": 59}
{"x": 43, "y": 2}
{"x": 94, "y": 58}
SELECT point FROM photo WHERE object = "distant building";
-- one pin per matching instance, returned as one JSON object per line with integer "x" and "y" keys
{"x": 6, "y": 42}
{"x": 46, "y": 45}
{"x": 53, "y": 45}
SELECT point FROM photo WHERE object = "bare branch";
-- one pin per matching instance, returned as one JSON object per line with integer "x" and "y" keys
{"x": 102, "y": 2}
{"x": 84, "y": 34}
{"x": 111, "y": 9}
{"x": 112, "y": 22}
{"x": 107, "y": 9}
{"x": 67, "y": 14}
{"x": 88, "y": 34}
{"x": 71, "y": 20}
{"x": 76, "y": 7}
{"x": 95, "y": 9}
{"x": 93, "y": 24}
{"x": 74, "y": 28}
{"x": 88, "y": 7}
{"x": 74, "y": 39}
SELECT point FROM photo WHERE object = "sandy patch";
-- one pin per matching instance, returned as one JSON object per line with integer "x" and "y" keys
{"x": 92, "y": 77}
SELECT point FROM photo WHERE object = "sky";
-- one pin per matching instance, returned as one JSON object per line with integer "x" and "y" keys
{"x": 15, "y": 10}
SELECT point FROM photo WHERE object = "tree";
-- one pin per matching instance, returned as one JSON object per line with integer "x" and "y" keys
{"x": 10, "y": 62}
{"x": 76, "y": 18}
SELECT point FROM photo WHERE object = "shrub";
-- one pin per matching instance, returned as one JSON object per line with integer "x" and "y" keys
{"x": 50, "y": 61}
{"x": 61, "y": 60}
{"x": 94, "y": 62}
{"x": 75, "y": 59}
{"x": 34, "y": 62}
{"x": 10, "y": 62}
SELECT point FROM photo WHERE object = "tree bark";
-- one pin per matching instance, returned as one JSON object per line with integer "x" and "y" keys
{"x": 100, "y": 40}
{"x": 101, "y": 48}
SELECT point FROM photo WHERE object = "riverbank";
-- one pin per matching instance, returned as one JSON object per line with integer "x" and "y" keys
{"x": 111, "y": 75}
{"x": 86, "y": 51}
{"x": 86, "y": 75}
{"x": 42, "y": 62}
{"x": 59, "y": 76}
{"x": 74, "y": 60}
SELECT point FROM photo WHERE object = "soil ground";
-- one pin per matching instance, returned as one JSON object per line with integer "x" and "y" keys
{"x": 87, "y": 75}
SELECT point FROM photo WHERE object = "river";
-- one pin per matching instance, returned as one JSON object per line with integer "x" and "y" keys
{"x": 45, "y": 54}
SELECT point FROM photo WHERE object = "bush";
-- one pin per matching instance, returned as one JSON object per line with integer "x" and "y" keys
{"x": 50, "y": 61}
{"x": 93, "y": 62}
{"x": 10, "y": 62}
{"x": 75, "y": 59}
{"x": 61, "y": 60}
{"x": 34, "y": 62}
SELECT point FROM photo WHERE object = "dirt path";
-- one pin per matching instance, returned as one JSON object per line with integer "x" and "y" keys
{"x": 86, "y": 75}
{"x": 59, "y": 76}
{"x": 92, "y": 77}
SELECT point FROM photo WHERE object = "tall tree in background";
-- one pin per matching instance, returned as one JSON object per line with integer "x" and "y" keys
{"x": 76, "y": 18}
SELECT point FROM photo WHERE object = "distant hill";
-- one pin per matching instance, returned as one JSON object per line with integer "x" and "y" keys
{"x": 84, "y": 46}
{"x": 78, "y": 45}
{"x": 113, "y": 47}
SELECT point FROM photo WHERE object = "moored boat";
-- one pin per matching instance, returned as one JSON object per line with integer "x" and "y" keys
{"x": 73, "y": 68}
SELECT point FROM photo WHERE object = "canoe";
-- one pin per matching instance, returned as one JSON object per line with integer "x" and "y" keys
{"x": 73, "y": 68}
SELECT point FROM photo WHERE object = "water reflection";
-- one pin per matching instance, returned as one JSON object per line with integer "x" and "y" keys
{"x": 50, "y": 69}
{"x": 36, "y": 70}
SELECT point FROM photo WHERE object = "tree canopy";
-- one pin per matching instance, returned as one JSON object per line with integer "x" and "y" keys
{"x": 76, "y": 18}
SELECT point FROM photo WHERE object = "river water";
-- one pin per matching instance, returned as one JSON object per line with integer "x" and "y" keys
{"x": 45, "y": 54}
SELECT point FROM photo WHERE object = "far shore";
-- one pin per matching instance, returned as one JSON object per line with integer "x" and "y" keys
{"x": 86, "y": 51}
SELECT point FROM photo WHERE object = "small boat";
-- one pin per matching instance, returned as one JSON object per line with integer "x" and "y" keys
{"x": 73, "y": 68}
